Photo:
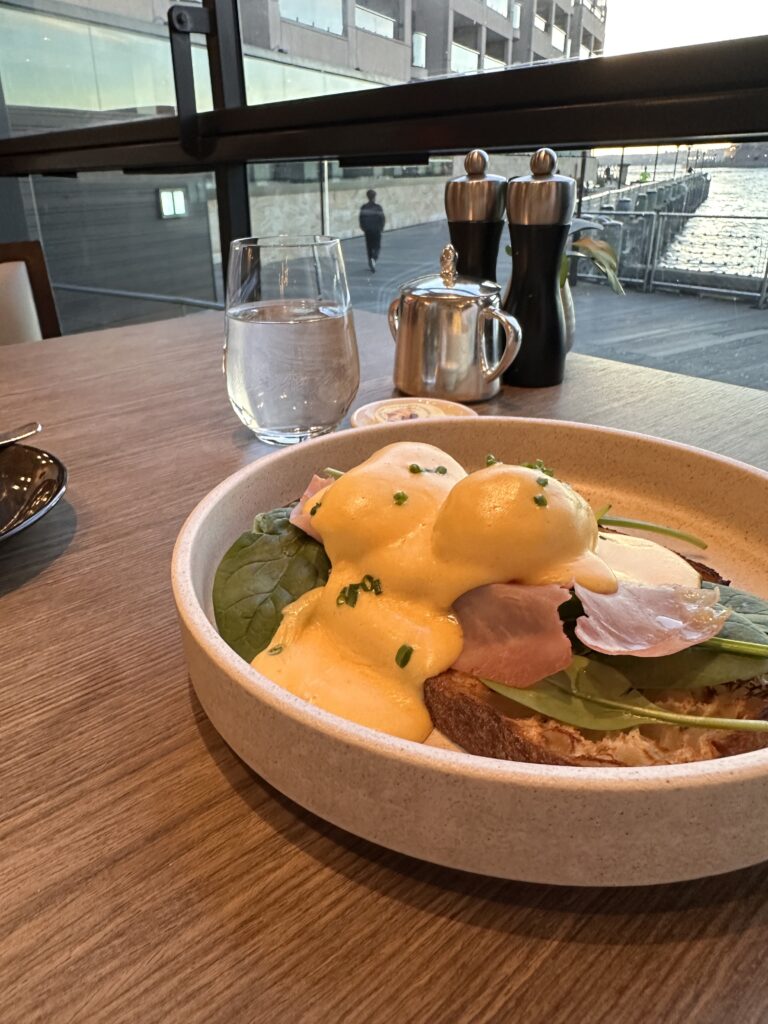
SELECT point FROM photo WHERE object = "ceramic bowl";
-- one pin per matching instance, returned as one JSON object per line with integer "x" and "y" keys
{"x": 539, "y": 823}
{"x": 31, "y": 482}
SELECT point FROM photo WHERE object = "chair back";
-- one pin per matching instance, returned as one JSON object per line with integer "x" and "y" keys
{"x": 27, "y": 307}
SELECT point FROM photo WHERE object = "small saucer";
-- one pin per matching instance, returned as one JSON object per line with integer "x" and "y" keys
{"x": 31, "y": 482}
{"x": 395, "y": 410}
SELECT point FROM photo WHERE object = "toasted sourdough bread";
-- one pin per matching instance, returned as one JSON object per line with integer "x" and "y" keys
{"x": 482, "y": 722}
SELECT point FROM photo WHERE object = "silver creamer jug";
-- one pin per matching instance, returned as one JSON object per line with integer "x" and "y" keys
{"x": 453, "y": 339}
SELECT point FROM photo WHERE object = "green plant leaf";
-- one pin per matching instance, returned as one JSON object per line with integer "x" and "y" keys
{"x": 691, "y": 669}
{"x": 266, "y": 569}
{"x": 744, "y": 606}
{"x": 596, "y": 696}
{"x": 604, "y": 257}
{"x": 555, "y": 697}
{"x": 565, "y": 267}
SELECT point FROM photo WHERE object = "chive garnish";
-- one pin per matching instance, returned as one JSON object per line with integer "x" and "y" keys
{"x": 315, "y": 507}
{"x": 415, "y": 468}
{"x": 403, "y": 655}
{"x": 400, "y": 497}
{"x": 539, "y": 465}
{"x": 349, "y": 594}
{"x": 441, "y": 470}
{"x": 276, "y": 649}
{"x": 540, "y": 500}
{"x": 330, "y": 471}
{"x": 490, "y": 460}
{"x": 542, "y": 481}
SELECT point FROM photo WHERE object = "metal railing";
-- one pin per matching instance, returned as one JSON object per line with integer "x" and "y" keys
{"x": 176, "y": 300}
{"x": 643, "y": 255}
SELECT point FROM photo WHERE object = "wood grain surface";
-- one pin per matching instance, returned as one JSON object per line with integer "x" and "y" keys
{"x": 148, "y": 875}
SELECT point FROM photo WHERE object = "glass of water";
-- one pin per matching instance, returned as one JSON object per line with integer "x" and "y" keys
{"x": 290, "y": 355}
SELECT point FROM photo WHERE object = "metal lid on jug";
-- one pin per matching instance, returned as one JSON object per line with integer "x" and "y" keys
{"x": 448, "y": 286}
{"x": 543, "y": 196}
{"x": 475, "y": 195}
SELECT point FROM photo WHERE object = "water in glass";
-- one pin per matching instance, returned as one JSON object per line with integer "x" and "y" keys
{"x": 291, "y": 358}
{"x": 291, "y": 368}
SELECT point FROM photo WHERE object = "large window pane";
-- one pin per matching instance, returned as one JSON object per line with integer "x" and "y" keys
{"x": 688, "y": 226}
{"x": 114, "y": 242}
{"x": 70, "y": 72}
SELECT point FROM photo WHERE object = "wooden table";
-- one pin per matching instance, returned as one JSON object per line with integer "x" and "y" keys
{"x": 148, "y": 875}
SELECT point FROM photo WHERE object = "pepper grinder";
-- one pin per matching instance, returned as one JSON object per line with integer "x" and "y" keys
{"x": 474, "y": 204}
{"x": 539, "y": 207}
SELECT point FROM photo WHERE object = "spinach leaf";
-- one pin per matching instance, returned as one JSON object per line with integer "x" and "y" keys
{"x": 266, "y": 569}
{"x": 598, "y": 697}
{"x": 691, "y": 669}
{"x": 749, "y": 614}
{"x": 555, "y": 697}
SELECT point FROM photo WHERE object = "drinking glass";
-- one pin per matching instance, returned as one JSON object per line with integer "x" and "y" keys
{"x": 290, "y": 355}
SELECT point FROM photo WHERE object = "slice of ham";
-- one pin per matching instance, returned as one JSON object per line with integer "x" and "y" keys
{"x": 299, "y": 515}
{"x": 648, "y": 622}
{"x": 513, "y": 633}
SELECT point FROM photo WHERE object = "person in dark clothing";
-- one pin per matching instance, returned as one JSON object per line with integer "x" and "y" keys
{"x": 372, "y": 224}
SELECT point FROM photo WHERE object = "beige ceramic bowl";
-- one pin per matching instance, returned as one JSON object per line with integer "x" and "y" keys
{"x": 572, "y": 826}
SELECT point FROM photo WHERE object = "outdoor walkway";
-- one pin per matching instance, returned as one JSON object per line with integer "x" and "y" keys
{"x": 719, "y": 339}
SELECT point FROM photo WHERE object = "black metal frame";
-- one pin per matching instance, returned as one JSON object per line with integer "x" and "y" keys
{"x": 713, "y": 92}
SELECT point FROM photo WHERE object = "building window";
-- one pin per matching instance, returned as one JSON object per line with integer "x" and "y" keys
{"x": 419, "y": 49}
{"x": 463, "y": 59}
{"x": 374, "y": 22}
{"x": 500, "y": 6}
{"x": 540, "y": 22}
{"x": 516, "y": 11}
{"x": 173, "y": 202}
{"x": 327, "y": 15}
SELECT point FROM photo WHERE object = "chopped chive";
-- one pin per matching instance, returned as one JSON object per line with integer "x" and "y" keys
{"x": 400, "y": 497}
{"x": 490, "y": 460}
{"x": 540, "y": 500}
{"x": 539, "y": 465}
{"x": 330, "y": 471}
{"x": 342, "y": 598}
{"x": 377, "y": 587}
{"x": 366, "y": 583}
{"x": 603, "y": 512}
{"x": 403, "y": 655}
{"x": 315, "y": 507}
{"x": 542, "y": 481}
{"x": 275, "y": 650}
{"x": 352, "y": 590}
{"x": 415, "y": 468}
{"x": 441, "y": 470}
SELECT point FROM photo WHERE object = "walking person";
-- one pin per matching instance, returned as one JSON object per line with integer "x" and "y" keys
{"x": 372, "y": 224}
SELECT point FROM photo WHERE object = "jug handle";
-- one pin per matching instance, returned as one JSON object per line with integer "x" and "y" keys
{"x": 394, "y": 318}
{"x": 513, "y": 334}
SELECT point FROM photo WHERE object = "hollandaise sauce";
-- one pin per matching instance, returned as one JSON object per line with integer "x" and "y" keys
{"x": 411, "y": 521}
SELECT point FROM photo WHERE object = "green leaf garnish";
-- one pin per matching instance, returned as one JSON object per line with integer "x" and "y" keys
{"x": 540, "y": 500}
{"x": 403, "y": 655}
{"x": 592, "y": 695}
{"x": 400, "y": 497}
{"x": 639, "y": 524}
{"x": 330, "y": 471}
{"x": 267, "y": 568}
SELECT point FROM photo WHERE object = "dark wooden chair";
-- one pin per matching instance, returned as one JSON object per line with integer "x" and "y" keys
{"x": 31, "y": 255}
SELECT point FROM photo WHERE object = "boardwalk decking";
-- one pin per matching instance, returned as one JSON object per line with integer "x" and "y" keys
{"x": 719, "y": 339}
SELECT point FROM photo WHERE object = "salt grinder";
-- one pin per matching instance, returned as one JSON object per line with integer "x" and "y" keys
{"x": 474, "y": 204}
{"x": 539, "y": 208}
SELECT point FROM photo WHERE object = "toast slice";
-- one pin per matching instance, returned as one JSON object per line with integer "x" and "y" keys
{"x": 485, "y": 723}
